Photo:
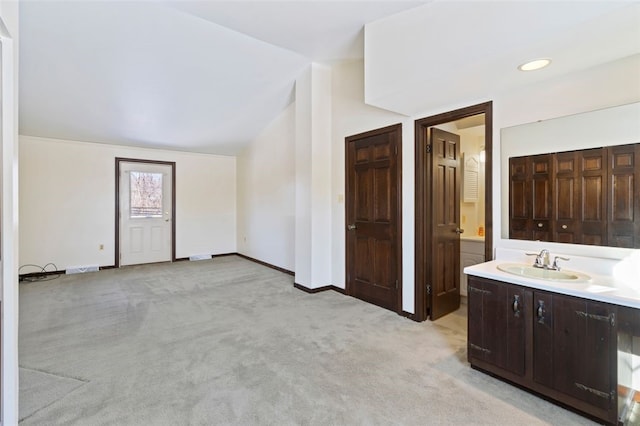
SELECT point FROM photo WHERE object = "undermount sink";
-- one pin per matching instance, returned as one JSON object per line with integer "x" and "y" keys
{"x": 543, "y": 274}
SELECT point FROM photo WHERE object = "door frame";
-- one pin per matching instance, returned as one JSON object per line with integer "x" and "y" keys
{"x": 423, "y": 229}
{"x": 172, "y": 164}
{"x": 397, "y": 130}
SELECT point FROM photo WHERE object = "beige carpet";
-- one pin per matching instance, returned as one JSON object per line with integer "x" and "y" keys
{"x": 228, "y": 341}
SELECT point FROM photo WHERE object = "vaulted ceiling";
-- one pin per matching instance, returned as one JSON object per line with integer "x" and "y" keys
{"x": 203, "y": 76}
{"x": 208, "y": 76}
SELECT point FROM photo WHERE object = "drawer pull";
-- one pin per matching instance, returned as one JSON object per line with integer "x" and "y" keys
{"x": 540, "y": 225}
{"x": 516, "y": 305}
{"x": 540, "y": 311}
{"x": 564, "y": 226}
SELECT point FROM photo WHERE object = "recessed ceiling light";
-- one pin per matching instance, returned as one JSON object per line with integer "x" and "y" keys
{"x": 535, "y": 64}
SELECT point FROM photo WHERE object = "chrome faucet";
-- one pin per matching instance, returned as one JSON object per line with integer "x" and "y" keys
{"x": 543, "y": 260}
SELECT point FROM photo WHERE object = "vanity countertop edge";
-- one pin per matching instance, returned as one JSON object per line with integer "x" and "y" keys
{"x": 599, "y": 288}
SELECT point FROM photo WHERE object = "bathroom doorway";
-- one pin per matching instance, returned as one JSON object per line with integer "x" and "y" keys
{"x": 453, "y": 205}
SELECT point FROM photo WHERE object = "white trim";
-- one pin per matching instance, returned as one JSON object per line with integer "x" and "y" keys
{"x": 9, "y": 236}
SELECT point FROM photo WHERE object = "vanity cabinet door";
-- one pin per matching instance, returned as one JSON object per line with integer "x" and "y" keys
{"x": 584, "y": 350}
{"x": 574, "y": 348}
{"x": 496, "y": 327}
{"x": 543, "y": 338}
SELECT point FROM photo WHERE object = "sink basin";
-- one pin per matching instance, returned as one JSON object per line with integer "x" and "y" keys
{"x": 543, "y": 274}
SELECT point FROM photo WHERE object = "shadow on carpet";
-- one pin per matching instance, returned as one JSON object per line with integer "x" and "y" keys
{"x": 39, "y": 389}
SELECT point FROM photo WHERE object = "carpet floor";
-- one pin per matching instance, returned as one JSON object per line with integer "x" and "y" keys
{"x": 230, "y": 342}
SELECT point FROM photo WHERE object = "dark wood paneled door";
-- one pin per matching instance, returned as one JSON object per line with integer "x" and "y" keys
{"x": 593, "y": 196}
{"x": 445, "y": 214}
{"x": 373, "y": 194}
{"x": 624, "y": 192}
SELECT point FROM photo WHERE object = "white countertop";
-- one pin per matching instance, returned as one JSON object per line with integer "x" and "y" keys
{"x": 601, "y": 287}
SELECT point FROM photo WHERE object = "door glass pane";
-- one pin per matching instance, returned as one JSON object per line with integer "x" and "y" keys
{"x": 146, "y": 194}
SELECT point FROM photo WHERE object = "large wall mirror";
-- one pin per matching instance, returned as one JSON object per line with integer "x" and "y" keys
{"x": 549, "y": 162}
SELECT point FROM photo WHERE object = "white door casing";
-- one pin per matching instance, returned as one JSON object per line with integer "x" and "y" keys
{"x": 145, "y": 212}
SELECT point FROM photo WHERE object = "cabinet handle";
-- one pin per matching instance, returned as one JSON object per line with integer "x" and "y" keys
{"x": 516, "y": 305}
{"x": 541, "y": 311}
{"x": 540, "y": 225}
{"x": 564, "y": 226}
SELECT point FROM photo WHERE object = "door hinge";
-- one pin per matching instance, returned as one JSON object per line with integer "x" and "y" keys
{"x": 428, "y": 289}
{"x": 429, "y": 149}
{"x": 479, "y": 348}
{"x": 611, "y": 318}
{"x": 395, "y": 149}
{"x": 596, "y": 392}
{"x": 396, "y": 284}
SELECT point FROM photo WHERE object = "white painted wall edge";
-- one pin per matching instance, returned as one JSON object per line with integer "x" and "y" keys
{"x": 9, "y": 243}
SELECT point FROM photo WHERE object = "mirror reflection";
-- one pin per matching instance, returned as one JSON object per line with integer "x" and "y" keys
{"x": 574, "y": 179}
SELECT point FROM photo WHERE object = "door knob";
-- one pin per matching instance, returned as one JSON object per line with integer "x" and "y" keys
{"x": 459, "y": 231}
{"x": 351, "y": 227}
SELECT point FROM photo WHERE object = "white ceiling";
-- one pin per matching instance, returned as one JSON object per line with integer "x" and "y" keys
{"x": 208, "y": 76}
{"x": 201, "y": 76}
{"x": 477, "y": 53}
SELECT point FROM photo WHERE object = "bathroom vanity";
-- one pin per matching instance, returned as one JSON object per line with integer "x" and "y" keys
{"x": 573, "y": 337}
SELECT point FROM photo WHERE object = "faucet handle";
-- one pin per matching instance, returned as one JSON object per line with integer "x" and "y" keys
{"x": 555, "y": 262}
{"x": 539, "y": 262}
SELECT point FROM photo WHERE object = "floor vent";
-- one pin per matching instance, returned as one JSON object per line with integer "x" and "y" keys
{"x": 82, "y": 269}
{"x": 200, "y": 257}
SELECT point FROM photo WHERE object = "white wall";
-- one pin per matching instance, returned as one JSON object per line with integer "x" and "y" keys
{"x": 313, "y": 177}
{"x": 9, "y": 235}
{"x": 67, "y": 192}
{"x": 266, "y": 194}
{"x": 350, "y": 117}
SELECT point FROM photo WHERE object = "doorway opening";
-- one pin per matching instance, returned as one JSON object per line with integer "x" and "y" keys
{"x": 442, "y": 215}
{"x": 145, "y": 226}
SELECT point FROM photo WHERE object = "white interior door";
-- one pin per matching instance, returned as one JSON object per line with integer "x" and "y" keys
{"x": 145, "y": 213}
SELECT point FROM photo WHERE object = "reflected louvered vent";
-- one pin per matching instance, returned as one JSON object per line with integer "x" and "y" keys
{"x": 470, "y": 183}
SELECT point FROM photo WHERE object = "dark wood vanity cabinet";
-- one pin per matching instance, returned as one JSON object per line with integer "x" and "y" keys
{"x": 560, "y": 346}
{"x": 496, "y": 324}
{"x": 590, "y": 196}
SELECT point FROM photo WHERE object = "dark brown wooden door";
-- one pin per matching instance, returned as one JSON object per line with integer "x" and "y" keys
{"x": 519, "y": 194}
{"x": 593, "y": 196}
{"x": 373, "y": 192}
{"x": 566, "y": 227}
{"x": 445, "y": 222}
{"x": 624, "y": 190}
{"x": 541, "y": 196}
{"x": 530, "y": 198}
